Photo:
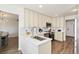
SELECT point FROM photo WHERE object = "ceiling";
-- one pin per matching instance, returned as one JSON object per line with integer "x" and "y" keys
{"x": 51, "y": 9}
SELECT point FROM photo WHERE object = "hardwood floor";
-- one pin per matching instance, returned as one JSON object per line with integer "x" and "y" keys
{"x": 12, "y": 45}
{"x": 66, "y": 47}
{"x": 58, "y": 47}
{"x": 69, "y": 45}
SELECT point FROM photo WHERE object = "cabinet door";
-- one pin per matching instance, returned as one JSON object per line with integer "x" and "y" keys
{"x": 59, "y": 36}
{"x": 54, "y": 22}
{"x": 61, "y": 22}
{"x": 31, "y": 19}
{"x": 47, "y": 19}
{"x": 42, "y": 24}
{"x": 57, "y": 21}
{"x": 43, "y": 21}
{"x": 35, "y": 19}
{"x": 26, "y": 18}
{"x": 40, "y": 20}
{"x": 45, "y": 48}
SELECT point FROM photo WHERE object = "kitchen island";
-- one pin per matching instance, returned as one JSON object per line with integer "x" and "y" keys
{"x": 38, "y": 45}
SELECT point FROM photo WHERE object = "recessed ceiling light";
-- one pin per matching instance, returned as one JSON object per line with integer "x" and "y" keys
{"x": 40, "y": 6}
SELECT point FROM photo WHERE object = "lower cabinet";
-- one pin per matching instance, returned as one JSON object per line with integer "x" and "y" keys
{"x": 59, "y": 36}
{"x": 44, "y": 48}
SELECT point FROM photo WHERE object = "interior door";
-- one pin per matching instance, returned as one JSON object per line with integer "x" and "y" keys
{"x": 70, "y": 28}
{"x": 69, "y": 43}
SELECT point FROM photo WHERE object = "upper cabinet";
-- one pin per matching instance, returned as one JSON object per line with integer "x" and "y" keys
{"x": 49, "y": 20}
{"x": 58, "y": 22}
{"x": 62, "y": 21}
{"x": 35, "y": 19}
{"x": 53, "y": 22}
{"x": 26, "y": 18}
{"x": 31, "y": 19}
{"x": 43, "y": 23}
{"x": 40, "y": 20}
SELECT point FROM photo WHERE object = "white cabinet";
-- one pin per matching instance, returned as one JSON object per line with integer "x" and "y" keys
{"x": 35, "y": 20}
{"x": 47, "y": 19}
{"x": 31, "y": 48}
{"x": 43, "y": 22}
{"x": 26, "y": 18}
{"x": 50, "y": 20}
{"x": 62, "y": 22}
{"x": 58, "y": 22}
{"x": 45, "y": 48}
{"x": 40, "y": 20}
{"x": 31, "y": 19}
{"x": 54, "y": 22}
{"x": 59, "y": 36}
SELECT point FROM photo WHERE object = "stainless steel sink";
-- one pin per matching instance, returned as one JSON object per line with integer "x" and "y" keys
{"x": 39, "y": 38}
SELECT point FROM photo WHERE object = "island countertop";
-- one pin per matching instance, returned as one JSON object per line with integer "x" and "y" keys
{"x": 38, "y": 42}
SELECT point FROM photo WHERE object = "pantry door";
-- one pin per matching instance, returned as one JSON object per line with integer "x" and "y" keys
{"x": 70, "y": 28}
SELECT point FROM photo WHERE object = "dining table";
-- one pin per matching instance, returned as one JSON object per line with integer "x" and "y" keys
{"x": 3, "y": 39}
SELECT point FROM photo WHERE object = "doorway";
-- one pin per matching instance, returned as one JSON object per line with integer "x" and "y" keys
{"x": 8, "y": 25}
{"x": 70, "y": 37}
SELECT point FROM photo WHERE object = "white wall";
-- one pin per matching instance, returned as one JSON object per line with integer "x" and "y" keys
{"x": 9, "y": 24}
{"x": 16, "y": 9}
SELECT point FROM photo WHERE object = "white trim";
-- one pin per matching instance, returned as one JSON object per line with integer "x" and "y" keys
{"x": 75, "y": 32}
{"x": 75, "y": 48}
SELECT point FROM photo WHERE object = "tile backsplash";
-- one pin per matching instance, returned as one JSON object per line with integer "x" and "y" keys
{"x": 35, "y": 30}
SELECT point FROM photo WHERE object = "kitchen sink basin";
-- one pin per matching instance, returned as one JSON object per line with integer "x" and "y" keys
{"x": 39, "y": 38}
